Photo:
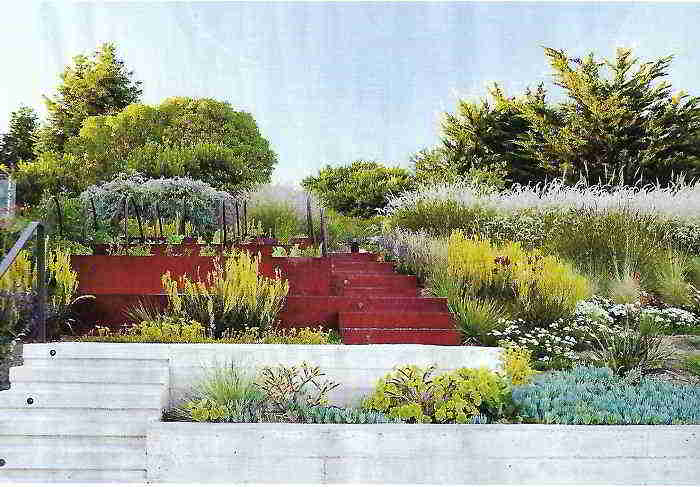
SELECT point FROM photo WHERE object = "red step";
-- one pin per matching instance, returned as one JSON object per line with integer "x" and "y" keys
{"x": 396, "y": 320}
{"x": 362, "y": 267}
{"x": 379, "y": 291}
{"x": 354, "y": 279}
{"x": 365, "y": 336}
{"x": 361, "y": 256}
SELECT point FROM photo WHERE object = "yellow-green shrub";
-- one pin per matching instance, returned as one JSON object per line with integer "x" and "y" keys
{"x": 231, "y": 297}
{"x": 532, "y": 286}
{"x": 19, "y": 276}
{"x": 411, "y": 394}
{"x": 517, "y": 363}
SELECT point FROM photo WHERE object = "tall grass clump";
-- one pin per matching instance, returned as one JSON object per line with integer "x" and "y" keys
{"x": 233, "y": 297}
{"x": 531, "y": 286}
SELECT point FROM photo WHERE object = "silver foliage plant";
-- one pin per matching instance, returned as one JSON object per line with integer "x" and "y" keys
{"x": 200, "y": 201}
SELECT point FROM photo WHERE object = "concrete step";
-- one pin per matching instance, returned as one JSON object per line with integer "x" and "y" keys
{"x": 354, "y": 279}
{"x": 367, "y": 267}
{"x": 84, "y": 396}
{"x": 77, "y": 421}
{"x": 122, "y": 353}
{"x": 73, "y": 453}
{"x": 366, "y": 336}
{"x": 86, "y": 388}
{"x": 378, "y": 291}
{"x": 59, "y": 371}
{"x": 72, "y": 475}
{"x": 400, "y": 320}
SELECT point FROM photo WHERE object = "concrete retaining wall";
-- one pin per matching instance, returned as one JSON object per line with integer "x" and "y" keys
{"x": 355, "y": 367}
{"x": 406, "y": 454}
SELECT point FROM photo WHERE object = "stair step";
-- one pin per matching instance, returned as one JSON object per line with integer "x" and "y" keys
{"x": 64, "y": 475}
{"x": 77, "y": 421}
{"x": 353, "y": 279}
{"x": 400, "y": 320}
{"x": 85, "y": 388}
{"x": 361, "y": 256}
{"x": 368, "y": 267}
{"x": 79, "y": 453}
{"x": 87, "y": 397}
{"x": 378, "y": 291}
{"x": 126, "y": 354}
{"x": 114, "y": 374}
{"x": 365, "y": 336}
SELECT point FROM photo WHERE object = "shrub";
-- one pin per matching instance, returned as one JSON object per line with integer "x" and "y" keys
{"x": 163, "y": 329}
{"x": 692, "y": 364}
{"x": 336, "y": 415}
{"x": 341, "y": 229}
{"x": 517, "y": 363}
{"x": 359, "y": 189}
{"x": 413, "y": 395}
{"x": 279, "y": 219}
{"x": 636, "y": 346}
{"x": 232, "y": 297}
{"x": 587, "y": 395}
{"x": 532, "y": 286}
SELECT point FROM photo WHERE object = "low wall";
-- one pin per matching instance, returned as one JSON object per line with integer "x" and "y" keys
{"x": 413, "y": 454}
{"x": 355, "y": 367}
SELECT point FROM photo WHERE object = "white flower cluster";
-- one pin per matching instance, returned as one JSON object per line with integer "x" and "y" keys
{"x": 563, "y": 339}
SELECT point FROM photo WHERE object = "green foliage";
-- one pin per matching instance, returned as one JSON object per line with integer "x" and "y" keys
{"x": 18, "y": 143}
{"x": 441, "y": 217}
{"x": 481, "y": 137}
{"x": 277, "y": 218}
{"x": 625, "y": 124}
{"x": 517, "y": 363}
{"x": 636, "y": 346}
{"x": 201, "y": 138}
{"x": 587, "y": 395}
{"x": 413, "y": 395}
{"x": 336, "y": 415}
{"x": 181, "y": 200}
{"x": 96, "y": 85}
{"x": 163, "y": 329}
{"x": 301, "y": 384}
{"x": 50, "y": 174}
{"x": 342, "y": 229}
{"x": 359, "y": 189}
{"x": 691, "y": 363}
{"x": 233, "y": 297}
{"x": 536, "y": 287}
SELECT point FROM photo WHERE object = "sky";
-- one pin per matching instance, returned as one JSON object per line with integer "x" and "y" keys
{"x": 327, "y": 82}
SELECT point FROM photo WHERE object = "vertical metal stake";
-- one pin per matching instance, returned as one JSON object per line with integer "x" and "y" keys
{"x": 223, "y": 221}
{"x": 41, "y": 278}
{"x": 310, "y": 222}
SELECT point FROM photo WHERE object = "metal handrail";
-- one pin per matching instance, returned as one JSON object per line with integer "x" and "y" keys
{"x": 40, "y": 229}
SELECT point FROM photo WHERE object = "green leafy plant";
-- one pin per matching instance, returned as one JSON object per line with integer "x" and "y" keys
{"x": 232, "y": 297}
{"x": 588, "y": 395}
{"x": 691, "y": 363}
{"x": 301, "y": 384}
{"x": 413, "y": 395}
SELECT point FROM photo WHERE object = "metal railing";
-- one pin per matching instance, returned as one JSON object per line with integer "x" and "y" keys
{"x": 40, "y": 229}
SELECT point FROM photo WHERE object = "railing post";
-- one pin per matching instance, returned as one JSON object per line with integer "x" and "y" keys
{"x": 245, "y": 218}
{"x": 324, "y": 245}
{"x": 94, "y": 214}
{"x": 223, "y": 223}
{"x": 60, "y": 216}
{"x": 310, "y": 222}
{"x": 41, "y": 278}
{"x": 238, "y": 222}
{"x": 126, "y": 219}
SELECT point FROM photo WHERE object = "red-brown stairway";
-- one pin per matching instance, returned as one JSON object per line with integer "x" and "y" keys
{"x": 374, "y": 304}
{"x": 365, "y": 299}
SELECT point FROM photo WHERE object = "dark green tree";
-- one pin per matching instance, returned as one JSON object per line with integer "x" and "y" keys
{"x": 359, "y": 189}
{"x": 620, "y": 121}
{"x": 18, "y": 143}
{"x": 96, "y": 85}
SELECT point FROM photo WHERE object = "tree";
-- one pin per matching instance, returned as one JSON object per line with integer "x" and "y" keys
{"x": 203, "y": 138}
{"x": 626, "y": 124}
{"x": 18, "y": 143}
{"x": 96, "y": 85}
{"x": 359, "y": 189}
{"x": 618, "y": 122}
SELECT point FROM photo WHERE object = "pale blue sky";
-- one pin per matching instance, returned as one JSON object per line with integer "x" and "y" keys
{"x": 332, "y": 82}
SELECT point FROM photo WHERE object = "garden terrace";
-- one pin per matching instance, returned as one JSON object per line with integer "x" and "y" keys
{"x": 365, "y": 299}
